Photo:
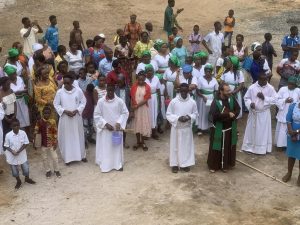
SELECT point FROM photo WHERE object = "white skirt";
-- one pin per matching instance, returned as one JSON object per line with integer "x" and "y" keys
{"x": 22, "y": 112}
{"x": 280, "y": 138}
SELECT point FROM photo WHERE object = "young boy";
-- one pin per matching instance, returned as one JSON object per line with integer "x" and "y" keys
{"x": 92, "y": 72}
{"x": 51, "y": 35}
{"x": 61, "y": 52}
{"x": 48, "y": 130}
{"x": 195, "y": 39}
{"x": 84, "y": 80}
{"x": 120, "y": 33}
{"x": 172, "y": 37}
{"x": 229, "y": 24}
{"x": 149, "y": 29}
{"x": 268, "y": 50}
{"x": 219, "y": 65}
{"x": 88, "y": 114}
{"x": 15, "y": 145}
{"x": 76, "y": 35}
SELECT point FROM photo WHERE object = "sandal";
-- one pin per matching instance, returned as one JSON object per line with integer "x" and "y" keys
{"x": 145, "y": 148}
{"x": 135, "y": 147}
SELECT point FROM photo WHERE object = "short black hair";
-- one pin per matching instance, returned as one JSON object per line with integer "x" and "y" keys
{"x": 115, "y": 63}
{"x": 268, "y": 36}
{"x": 110, "y": 86}
{"x": 89, "y": 42}
{"x": 293, "y": 28}
{"x": 241, "y": 36}
{"x": 52, "y": 17}
{"x": 90, "y": 88}
{"x": 183, "y": 85}
{"x": 216, "y": 23}
{"x": 47, "y": 108}
{"x": 97, "y": 38}
{"x": 64, "y": 62}
{"x": 24, "y": 19}
{"x": 89, "y": 63}
{"x": 82, "y": 69}
{"x": 14, "y": 120}
{"x": 61, "y": 48}
{"x": 72, "y": 43}
{"x": 196, "y": 25}
{"x": 75, "y": 21}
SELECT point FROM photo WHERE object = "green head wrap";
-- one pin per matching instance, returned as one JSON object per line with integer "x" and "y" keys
{"x": 146, "y": 52}
{"x": 201, "y": 54}
{"x": 159, "y": 76}
{"x": 292, "y": 80}
{"x": 10, "y": 70}
{"x": 148, "y": 68}
{"x": 13, "y": 52}
{"x": 235, "y": 61}
{"x": 175, "y": 61}
{"x": 158, "y": 44}
{"x": 208, "y": 67}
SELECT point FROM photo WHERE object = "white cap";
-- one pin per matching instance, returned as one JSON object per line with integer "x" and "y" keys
{"x": 36, "y": 47}
{"x": 101, "y": 35}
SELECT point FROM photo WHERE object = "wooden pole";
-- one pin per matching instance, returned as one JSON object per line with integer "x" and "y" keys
{"x": 258, "y": 170}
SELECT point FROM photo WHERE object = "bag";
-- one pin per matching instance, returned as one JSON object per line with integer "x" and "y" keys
{"x": 247, "y": 63}
{"x": 38, "y": 141}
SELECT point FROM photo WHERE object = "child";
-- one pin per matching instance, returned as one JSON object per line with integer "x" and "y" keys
{"x": 219, "y": 65}
{"x": 62, "y": 68}
{"x": 120, "y": 33}
{"x": 92, "y": 72}
{"x": 87, "y": 115}
{"x": 100, "y": 89}
{"x": 229, "y": 24}
{"x": 86, "y": 52}
{"x": 51, "y": 34}
{"x": 47, "y": 128}
{"x": 76, "y": 35}
{"x": 123, "y": 91}
{"x": 162, "y": 109}
{"x": 15, "y": 145}
{"x": 268, "y": 50}
{"x": 84, "y": 80}
{"x": 172, "y": 37}
{"x": 195, "y": 39}
{"x": 149, "y": 29}
{"x": 61, "y": 52}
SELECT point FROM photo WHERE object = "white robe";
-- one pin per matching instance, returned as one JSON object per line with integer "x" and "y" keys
{"x": 280, "y": 138}
{"x": 170, "y": 79}
{"x": 153, "y": 101}
{"x": 70, "y": 129}
{"x": 181, "y": 140}
{"x": 108, "y": 155}
{"x": 2, "y": 114}
{"x": 258, "y": 133}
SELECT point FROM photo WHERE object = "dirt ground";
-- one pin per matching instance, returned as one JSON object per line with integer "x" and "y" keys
{"x": 147, "y": 192}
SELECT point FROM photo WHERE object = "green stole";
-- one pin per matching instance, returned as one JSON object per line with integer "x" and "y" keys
{"x": 218, "y": 137}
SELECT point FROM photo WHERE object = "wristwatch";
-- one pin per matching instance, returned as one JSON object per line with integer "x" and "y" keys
{"x": 298, "y": 131}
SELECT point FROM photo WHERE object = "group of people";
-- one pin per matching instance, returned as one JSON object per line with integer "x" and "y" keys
{"x": 93, "y": 94}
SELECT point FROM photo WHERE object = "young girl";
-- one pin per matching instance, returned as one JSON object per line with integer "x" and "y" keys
{"x": 120, "y": 33}
{"x": 140, "y": 94}
{"x": 92, "y": 72}
{"x": 195, "y": 39}
{"x": 170, "y": 76}
{"x": 162, "y": 110}
{"x": 63, "y": 69}
{"x": 179, "y": 50}
{"x": 100, "y": 89}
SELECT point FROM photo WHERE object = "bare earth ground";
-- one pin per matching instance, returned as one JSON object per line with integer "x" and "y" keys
{"x": 147, "y": 192}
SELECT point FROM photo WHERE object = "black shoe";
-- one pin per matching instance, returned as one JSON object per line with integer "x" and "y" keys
{"x": 29, "y": 181}
{"x": 174, "y": 169}
{"x": 186, "y": 169}
{"x": 92, "y": 140}
{"x": 48, "y": 174}
{"x": 121, "y": 169}
{"x": 68, "y": 164}
{"x": 18, "y": 185}
{"x": 84, "y": 160}
{"x": 57, "y": 173}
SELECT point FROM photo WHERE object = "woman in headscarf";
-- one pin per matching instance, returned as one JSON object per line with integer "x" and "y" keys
{"x": 163, "y": 56}
{"x": 235, "y": 78}
{"x": 145, "y": 60}
{"x": 145, "y": 44}
{"x": 155, "y": 102}
{"x": 170, "y": 76}
{"x": 180, "y": 51}
{"x": 13, "y": 60}
{"x": 207, "y": 87}
{"x": 200, "y": 60}
{"x": 23, "y": 59}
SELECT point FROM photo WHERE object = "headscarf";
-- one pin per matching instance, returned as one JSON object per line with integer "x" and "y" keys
{"x": 159, "y": 76}
{"x": 36, "y": 47}
{"x": 177, "y": 39}
{"x": 255, "y": 45}
{"x": 292, "y": 80}
{"x": 10, "y": 70}
{"x": 201, "y": 54}
{"x": 13, "y": 52}
{"x": 158, "y": 44}
{"x": 174, "y": 60}
{"x": 235, "y": 61}
{"x": 148, "y": 68}
{"x": 208, "y": 67}
{"x": 187, "y": 68}
{"x": 146, "y": 52}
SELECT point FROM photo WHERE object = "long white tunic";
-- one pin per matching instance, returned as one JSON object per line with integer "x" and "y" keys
{"x": 141, "y": 66}
{"x": 153, "y": 101}
{"x": 162, "y": 62}
{"x": 258, "y": 133}
{"x": 280, "y": 138}
{"x": 70, "y": 129}
{"x": 108, "y": 155}
{"x": 234, "y": 82}
{"x": 2, "y": 114}
{"x": 170, "y": 78}
{"x": 203, "y": 108}
{"x": 181, "y": 140}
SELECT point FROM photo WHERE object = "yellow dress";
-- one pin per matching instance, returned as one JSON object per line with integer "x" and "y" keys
{"x": 51, "y": 75}
{"x": 140, "y": 47}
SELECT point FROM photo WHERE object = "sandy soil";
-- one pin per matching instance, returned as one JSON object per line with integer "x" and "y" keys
{"x": 147, "y": 192}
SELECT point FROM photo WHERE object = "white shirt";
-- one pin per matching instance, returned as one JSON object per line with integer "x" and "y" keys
{"x": 215, "y": 42}
{"x": 18, "y": 67}
{"x": 141, "y": 66}
{"x": 295, "y": 65}
{"x": 75, "y": 61}
{"x": 228, "y": 78}
{"x": 15, "y": 142}
{"x": 19, "y": 86}
{"x": 182, "y": 80}
{"x": 29, "y": 41}
{"x": 154, "y": 84}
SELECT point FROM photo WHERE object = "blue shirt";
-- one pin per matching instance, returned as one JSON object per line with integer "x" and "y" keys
{"x": 105, "y": 66}
{"x": 289, "y": 42}
{"x": 51, "y": 36}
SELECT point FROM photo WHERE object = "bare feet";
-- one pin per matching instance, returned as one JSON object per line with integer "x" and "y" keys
{"x": 287, "y": 177}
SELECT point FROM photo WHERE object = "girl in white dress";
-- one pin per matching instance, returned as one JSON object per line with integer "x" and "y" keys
{"x": 170, "y": 76}
{"x": 207, "y": 86}
{"x": 162, "y": 58}
{"x": 200, "y": 60}
{"x": 235, "y": 78}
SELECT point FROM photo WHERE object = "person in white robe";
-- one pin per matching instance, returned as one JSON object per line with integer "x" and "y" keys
{"x": 170, "y": 76}
{"x": 234, "y": 77}
{"x": 286, "y": 96}
{"x": 2, "y": 114}
{"x": 69, "y": 103}
{"x": 206, "y": 88}
{"x": 181, "y": 113}
{"x": 110, "y": 118}
{"x": 145, "y": 60}
{"x": 200, "y": 61}
{"x": 258, "y": 99}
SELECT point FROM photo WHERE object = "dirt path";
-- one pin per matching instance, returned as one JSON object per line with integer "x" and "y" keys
{"x": 147, "y": 192}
